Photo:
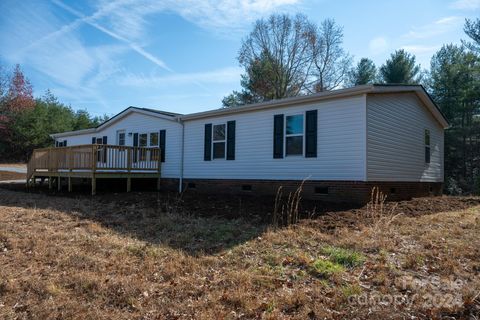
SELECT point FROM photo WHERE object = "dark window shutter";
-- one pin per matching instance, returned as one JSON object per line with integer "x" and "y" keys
{"x": 64, "y": 143}
{"x": 162, "y": 145}
{"x": 104, "y": 141}
{"x": 311, "y": 134}
{"x": 135, "y": 144}
{"x": 135, "y": 139}
{"x": 207, "y": 150}
{"x": 278, "y": 136}
{"x": 56, "y": 144}
{"x": 231, "y": 140}
{"x": 94, "y": 140}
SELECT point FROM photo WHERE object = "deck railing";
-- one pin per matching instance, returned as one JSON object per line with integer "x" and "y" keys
{"x": 94, "y": 158}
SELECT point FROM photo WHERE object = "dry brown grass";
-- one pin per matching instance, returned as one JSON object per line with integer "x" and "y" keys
{"x": 85, "y": 258}
{"x": 9, "y": 175}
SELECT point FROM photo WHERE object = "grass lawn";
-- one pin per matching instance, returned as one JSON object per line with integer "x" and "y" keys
{"x": 149, "y": 256}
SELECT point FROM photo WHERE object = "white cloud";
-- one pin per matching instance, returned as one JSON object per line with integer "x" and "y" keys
{"x": 465, "y": 4}
{"x": 435, "y": 28}
{"x": 378, "y": 45}
{"x": 134, "y": 46}
{"x": 228, "y": 74}
{"x": 130, "y": 18}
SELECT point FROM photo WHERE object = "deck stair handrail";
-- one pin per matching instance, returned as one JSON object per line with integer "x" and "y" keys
{"x": 94, "y": 158}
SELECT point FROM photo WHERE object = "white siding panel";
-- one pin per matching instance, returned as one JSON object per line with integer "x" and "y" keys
{"x": 395, "y": 139}
{"x": 141, "y": 123}
{"x": 340, "y": 145}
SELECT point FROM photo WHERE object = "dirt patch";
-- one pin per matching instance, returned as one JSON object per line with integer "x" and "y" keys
{"x": 9, "y": 175}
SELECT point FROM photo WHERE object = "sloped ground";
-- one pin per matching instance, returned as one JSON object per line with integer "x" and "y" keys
{"x": 151, "y": 256}
{"x": 11, "y": 175}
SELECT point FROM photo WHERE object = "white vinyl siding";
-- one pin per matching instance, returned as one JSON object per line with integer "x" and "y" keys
{"x": 141, "y": 123}
{"x": 396, "y": 125}
{"x": 340, "y": 143}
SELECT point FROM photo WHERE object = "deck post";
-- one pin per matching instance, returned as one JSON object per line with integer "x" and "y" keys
{"x": 129, "y": 169}
{"x": 159, "y": 159}
{"x": 94, "y": 166}
{"x": 94, "y": 185}
{"x": 69, "y": 184}
{"x": 50, "y": 182}
{"x": 59, "y": 183}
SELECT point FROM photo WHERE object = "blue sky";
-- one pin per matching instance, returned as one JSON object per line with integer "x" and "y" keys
{"x": 180, "y": 56}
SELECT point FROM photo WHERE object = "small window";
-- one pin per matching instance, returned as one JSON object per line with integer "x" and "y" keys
{"x": 247, "y": 187}
{"x": 294, "y": 135}
{"x": 218, "y": 141}
{"x": 142, "y": 142}
{"x": 427, "y": 146}
{"x": 121, "y": 137}
{"x": 154, "y": 139}
{"x": 321, "y": 190}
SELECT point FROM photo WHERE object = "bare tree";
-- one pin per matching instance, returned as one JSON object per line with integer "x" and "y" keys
{"x": 331, "y": 62}
{"x": 3, "y": 82}
{"x": 283, "y": 44}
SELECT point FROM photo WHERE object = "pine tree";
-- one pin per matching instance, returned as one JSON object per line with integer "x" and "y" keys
{"x": 400, "y": 69}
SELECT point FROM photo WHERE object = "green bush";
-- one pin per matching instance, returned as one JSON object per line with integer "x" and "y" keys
{"x": 326, "y": 268}
{"x": 345, "y": 257}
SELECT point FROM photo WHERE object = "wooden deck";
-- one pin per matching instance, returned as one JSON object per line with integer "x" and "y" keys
{"x": 93, "y": 161}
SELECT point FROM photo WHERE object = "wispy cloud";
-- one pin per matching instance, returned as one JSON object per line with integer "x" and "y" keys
{"x": 130, "y": 18}
{"x": 228, "y": 74}
{"x": 135, "y": 47}
{"x": 435, "y": 28}
{"x": 465, "y": 4}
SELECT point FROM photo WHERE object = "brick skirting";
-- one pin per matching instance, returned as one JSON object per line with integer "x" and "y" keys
{"x": 335, "y": 191}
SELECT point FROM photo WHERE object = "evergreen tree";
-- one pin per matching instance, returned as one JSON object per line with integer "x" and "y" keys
{"x": 455, "y": 84}
{"x": 400, "y": 69}
{"x": 364, "y": 72}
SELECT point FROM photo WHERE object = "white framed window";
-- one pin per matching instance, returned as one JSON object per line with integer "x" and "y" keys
{"x": 294, "y": 135}
{"x": 219, "y": 138}
{"x": 142, "y": 140}
{"x": 121, "y": 137}
{"x": 427, "y": 145}
{"x": 153, "y": 139}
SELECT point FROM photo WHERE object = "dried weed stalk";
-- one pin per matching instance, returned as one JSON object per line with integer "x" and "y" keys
{"x": 286, "y": 211}
{"x": 377, "y": 212}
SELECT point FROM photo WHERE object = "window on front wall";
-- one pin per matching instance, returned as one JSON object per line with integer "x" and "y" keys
{"x": 142, "y": 142}
{"x": 427, "y": 145}
{"x": 218, "y": 141}
{"x": 294, "y": 135}
{"x": 154, "y": 139}
{"x": 154, "y": 143}
{"x": 121, "y": 137}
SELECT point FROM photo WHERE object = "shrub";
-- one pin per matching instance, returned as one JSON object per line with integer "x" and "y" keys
{"x": 326, "y": 268}
{"x": 452, "y": 187}
{"x": 345, "y": 257}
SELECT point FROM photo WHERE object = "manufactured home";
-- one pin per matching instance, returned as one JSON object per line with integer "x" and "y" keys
{"x": 342, "y": 143}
